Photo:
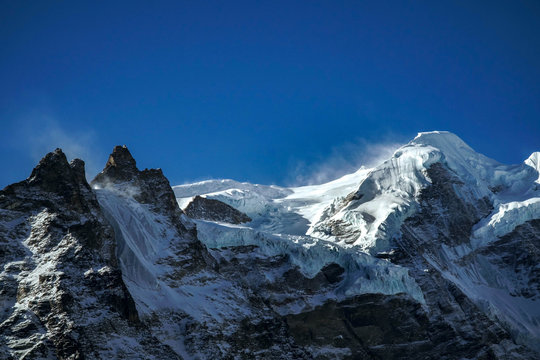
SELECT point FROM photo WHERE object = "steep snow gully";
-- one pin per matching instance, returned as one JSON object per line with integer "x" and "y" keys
{"x": 434, "y": 253}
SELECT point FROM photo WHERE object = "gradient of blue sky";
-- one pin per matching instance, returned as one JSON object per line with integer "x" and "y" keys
{"x": 264, "y": 91}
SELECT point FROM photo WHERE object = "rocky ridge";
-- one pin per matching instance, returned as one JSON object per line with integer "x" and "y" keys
{"x": 461, "y": 224}
{"x": 214, "y": 210}
{"x": 118, "y": 270}
{"x": 62, "y": 292}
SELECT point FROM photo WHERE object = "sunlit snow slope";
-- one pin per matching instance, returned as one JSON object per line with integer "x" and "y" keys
{"x": 387, "y": 194}
{"x": 367, "y": 211}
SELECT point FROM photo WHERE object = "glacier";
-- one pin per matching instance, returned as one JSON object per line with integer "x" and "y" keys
{"x": 432, "y": 252}
{"x": 389, "y": 192}
{"x": 361, "y": 215}
{"x": 145, "y": 241}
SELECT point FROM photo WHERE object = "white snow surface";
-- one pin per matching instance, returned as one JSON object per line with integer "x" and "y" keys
{"x": 389, "y": 196}
{"x": 299, "y": 222}
{"x": 273, "y": 208}
{"x": 504, "y": 219}
{"x": 364, "y": 273}
{"x": 303, "y": 215}
{"x": 145, "y": 242}
{"x": 534, "y": 162}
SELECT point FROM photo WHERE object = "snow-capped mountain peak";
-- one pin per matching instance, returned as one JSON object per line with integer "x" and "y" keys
{"x": 442, "y": 140}
{"x": 431, "y": 253}
{"x": 466, "y": 201}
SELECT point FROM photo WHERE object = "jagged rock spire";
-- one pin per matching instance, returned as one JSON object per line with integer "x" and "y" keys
{"x": 120, "y": 166}
{"x": 54, "y": 175}
{"x": 121, "y": 157}
{"x": 148, "y": 186}
{"x": 52, "y": 171}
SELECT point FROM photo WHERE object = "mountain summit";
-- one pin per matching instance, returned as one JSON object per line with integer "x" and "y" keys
{"x": 433, "y": 253}
{"x": 121, "y": 166}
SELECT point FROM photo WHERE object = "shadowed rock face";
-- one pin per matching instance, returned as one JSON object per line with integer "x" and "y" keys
{"x": 61, "y": 286}
{"x": 368, "y": 327}
{"x": 148, "y": 186}
{"x": 120, "y": 167}
{"x": 151, "y": 188}
{"x": 518, "y": 252}
{"x": 445, "y": 218}
{"x": 375, "y": 326}
{"x": 63, "y": 294}
{"x": 214, "y": 210}
{"x": 55, "y": 184}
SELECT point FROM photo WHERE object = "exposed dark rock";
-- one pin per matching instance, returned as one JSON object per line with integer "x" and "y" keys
{"x": 64, "y": 296}
{"x": 518, "y": 252}
{"x": 120, "y": 167}
{"x": 255, "y": 338}
{"x": 376, "y": 326}
{"x": 445, "y": 213}
{"x": 151, "y": 188}
{"x": 214, "y": 210}
{"x": 333, "y": 273}
{"x": 52, "y": 230}
{"x": 54, "y": 183}
{"x": 366, "y": 327}
{"x": 446, "y": 217}
{"x": 148, "y": 186}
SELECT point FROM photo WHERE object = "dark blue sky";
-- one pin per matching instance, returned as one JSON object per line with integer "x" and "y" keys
{"x": 269, "y": 92}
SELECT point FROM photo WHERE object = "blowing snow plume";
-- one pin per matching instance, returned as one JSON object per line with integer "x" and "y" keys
{"x": 343, "y": 159}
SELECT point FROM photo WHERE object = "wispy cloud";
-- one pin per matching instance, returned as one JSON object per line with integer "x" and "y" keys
{"x": 342, "y": 160}
{"x": 38, "y": 135}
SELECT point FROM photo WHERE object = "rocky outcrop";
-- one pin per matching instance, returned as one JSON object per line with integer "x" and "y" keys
{"x": 66, "y": 260}
{"x": 62, "y": 294}
{"x": 446, "y": 212}
{"x": 148, "y": 186}
{"x": 517, "y": 252}
{"x": 214, "y": 210}
{"x": 376, "y": 326}
{"x": 183, "y": 294}
{"x": 445, "y": 219}
{"x": 151, "y": 189}
{"x": 117, "y": 270}
{"x": 369, "y": 326}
